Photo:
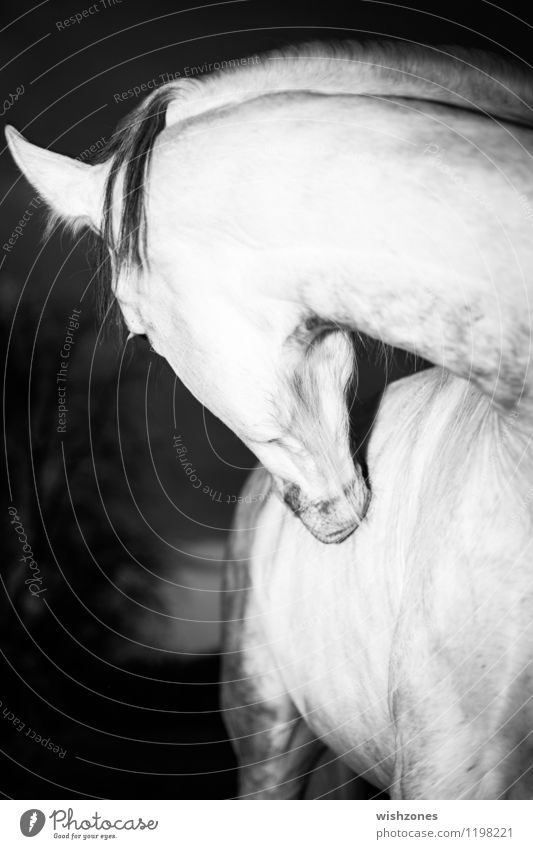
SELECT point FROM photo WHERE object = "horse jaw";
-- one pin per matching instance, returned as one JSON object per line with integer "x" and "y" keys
{"x": 312, "y": 466}
{"x": 74, "y": 190}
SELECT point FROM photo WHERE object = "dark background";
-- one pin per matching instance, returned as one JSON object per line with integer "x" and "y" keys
{"x": 117, "y": 662}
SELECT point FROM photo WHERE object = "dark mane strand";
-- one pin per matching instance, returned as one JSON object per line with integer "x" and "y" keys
{"x": 130, "y": 149}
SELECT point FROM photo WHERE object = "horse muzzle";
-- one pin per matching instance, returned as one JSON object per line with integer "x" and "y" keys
{"x": 334, "y": 519}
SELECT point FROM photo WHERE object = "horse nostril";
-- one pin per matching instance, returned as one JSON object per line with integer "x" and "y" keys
{"x": 292, "y": 496}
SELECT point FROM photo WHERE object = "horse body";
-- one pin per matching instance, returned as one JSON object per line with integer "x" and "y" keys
{"x": 253, "y": 222}
{"x": 406, "y": 649}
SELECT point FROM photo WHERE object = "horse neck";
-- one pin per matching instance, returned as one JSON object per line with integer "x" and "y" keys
{"x": 400, "y": 246}
{"x": 431, "y": 272}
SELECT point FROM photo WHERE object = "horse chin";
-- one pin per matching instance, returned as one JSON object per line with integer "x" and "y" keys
{"x": 332, "y": 520}
{"x": 329, "y": 536}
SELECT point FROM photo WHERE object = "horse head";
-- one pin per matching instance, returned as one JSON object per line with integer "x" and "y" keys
{"x": 271, "y": 371}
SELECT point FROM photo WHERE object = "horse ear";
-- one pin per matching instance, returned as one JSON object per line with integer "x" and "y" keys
{"x": 74, "y": 190}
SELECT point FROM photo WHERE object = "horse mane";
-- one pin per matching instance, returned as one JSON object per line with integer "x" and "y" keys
{"x": 129, "y": 149}
{"x": 468, "y": 78}
{"x": 460, "y": 77}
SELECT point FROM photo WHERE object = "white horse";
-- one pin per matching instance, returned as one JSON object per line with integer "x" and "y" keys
{"x": 252, "y": 219}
